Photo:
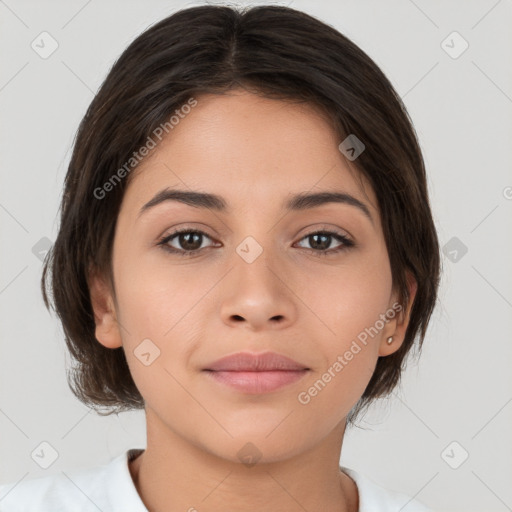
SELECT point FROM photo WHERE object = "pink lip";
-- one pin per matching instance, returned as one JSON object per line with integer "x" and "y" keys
{"x": 256, "y": 373}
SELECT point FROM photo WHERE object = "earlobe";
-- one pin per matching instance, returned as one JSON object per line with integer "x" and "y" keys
{"x": 107, "y": 330}
{"x": 394, "y": 332}
{"x": 390, "y": 344}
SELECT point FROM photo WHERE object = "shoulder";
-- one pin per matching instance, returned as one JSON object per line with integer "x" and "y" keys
{"x": 66, "y": 490}
{"x": 104, "y": 487}
{"x": 375, "y": 498}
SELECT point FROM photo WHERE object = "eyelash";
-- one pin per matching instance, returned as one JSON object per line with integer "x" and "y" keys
{"x": 346, "y": 242}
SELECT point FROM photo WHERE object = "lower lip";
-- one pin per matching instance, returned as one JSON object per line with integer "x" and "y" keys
{"x": 258, "y": 382}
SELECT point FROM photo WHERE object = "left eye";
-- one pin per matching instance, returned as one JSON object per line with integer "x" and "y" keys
{"x": 322, "y": 241}
{"x": 191, "y": 242}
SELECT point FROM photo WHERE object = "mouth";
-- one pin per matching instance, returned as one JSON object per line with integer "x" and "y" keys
{"x": 256, "y": 373}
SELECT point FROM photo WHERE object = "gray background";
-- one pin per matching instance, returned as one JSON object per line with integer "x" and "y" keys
{"x": 462, "y": 109}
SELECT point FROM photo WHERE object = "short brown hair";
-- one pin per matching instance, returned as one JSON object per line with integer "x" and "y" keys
{"x": 280, "y": 53}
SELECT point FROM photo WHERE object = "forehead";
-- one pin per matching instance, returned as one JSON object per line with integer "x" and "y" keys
{"x": 251, "y": 150}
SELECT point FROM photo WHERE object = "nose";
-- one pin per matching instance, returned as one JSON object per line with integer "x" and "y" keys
{"x": 257, "y": 296}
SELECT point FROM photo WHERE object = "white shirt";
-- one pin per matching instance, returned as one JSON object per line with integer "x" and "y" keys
{"x": 110, "y": 488}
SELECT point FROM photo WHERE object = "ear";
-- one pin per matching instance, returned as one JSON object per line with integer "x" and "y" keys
{"x": 105, "y": 316}
{"x": 397, "y": 326}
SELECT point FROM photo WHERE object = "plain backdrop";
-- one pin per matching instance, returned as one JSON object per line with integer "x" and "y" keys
{"x": 444, "y": 436}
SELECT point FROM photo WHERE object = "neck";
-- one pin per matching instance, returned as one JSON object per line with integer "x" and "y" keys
{"x": 174, "y": 474}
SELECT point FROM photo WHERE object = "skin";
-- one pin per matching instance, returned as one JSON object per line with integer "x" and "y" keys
{"x": 255, "y": 153}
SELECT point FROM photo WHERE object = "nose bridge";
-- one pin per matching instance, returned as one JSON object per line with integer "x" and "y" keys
{"x": 258, "y": 244}
{"x": 254, "y": 231}
{"x": 255, "y": 260}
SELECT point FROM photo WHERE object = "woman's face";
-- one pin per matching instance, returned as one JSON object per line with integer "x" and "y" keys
{"x": 258, "y": 279}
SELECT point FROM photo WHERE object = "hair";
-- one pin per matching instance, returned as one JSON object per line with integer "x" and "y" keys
{"x": 278, "y": 53}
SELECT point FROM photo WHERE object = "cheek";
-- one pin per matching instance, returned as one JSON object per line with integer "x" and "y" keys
{"x": 349, "y": 302}
{"x": 164, "y": 303}
{"x": 155, "y": 294}
{"x": 331, "y": 393}
{"x": 351, "y": 297}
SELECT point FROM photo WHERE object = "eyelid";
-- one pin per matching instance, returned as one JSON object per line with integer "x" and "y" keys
{"x": 345, "y": 240}
{"x": 330, "y": 228}
{"x": 315, "y": 229}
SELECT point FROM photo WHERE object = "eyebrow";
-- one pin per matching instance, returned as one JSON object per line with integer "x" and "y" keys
{"x": 298, "y": 202}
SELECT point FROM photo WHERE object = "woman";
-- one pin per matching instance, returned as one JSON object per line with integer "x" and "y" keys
{"x": 247, "y": 253}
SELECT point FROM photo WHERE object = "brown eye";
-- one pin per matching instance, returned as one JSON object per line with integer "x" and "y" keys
{"x": 188, "y": 241}
{"x": 321, "y": 241}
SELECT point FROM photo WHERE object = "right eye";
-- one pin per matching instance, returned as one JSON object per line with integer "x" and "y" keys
{"x": 189, "y": 239}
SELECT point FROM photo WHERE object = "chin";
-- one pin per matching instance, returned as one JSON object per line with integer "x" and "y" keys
{"x": 257, "y": 447}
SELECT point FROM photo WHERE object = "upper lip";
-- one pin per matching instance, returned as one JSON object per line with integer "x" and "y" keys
{"x": 248, "y": 362}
